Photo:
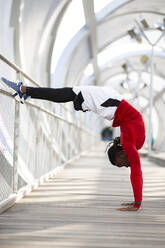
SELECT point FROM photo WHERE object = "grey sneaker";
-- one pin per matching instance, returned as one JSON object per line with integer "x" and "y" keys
{"x": 16, "y": 87}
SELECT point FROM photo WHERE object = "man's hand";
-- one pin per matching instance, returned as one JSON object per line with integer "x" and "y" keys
{"x": 127, "y": 209}
{"x": 127, "y": 204}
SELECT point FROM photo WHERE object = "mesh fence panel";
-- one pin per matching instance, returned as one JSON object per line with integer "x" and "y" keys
{"x": 45, "y": 140}
{"x": 7, "y": 106}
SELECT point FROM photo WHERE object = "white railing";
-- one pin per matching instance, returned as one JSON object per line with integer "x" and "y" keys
{"x": 35, "y": 142}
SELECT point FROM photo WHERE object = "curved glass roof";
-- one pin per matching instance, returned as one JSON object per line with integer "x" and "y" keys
{"x": 67, "y": 29}
{"x": 98, "y": 42}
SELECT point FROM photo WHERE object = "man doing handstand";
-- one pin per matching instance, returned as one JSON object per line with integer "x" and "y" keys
{"x": 109, "y": 104}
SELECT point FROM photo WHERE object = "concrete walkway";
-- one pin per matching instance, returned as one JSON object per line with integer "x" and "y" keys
{"x": 77, "y": 209}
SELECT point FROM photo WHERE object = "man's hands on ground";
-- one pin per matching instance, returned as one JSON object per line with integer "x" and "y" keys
{"x": 127, "y": 209}
{"x": 127, "y": 204}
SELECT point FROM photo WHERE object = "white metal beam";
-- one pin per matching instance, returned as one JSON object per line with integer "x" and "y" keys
{"x": 91, "y": 25}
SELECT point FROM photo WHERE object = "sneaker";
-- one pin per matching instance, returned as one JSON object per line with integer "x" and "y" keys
{"x": 16, "y": 87}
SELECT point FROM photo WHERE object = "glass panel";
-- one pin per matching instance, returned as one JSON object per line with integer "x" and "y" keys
{"x": 87, "y": 73}
{"x": 88, "y": 70}
{"x": 71, "y": 23}
{"x": 100, "y": 4}
{"x": 155, "y": 123}
{"x": 158, "y": 83}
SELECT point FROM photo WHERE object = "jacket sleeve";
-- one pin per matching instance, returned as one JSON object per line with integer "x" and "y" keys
{"x": 136, "y": 172}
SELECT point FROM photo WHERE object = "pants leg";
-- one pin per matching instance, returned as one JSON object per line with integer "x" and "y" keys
{"x": 65, "y": 94}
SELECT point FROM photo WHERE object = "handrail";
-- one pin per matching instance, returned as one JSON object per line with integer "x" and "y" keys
{"x": 70, "y": 141}
{"x": 49, "y": 112}
{"x": 18, "y": 69}
{"x": 57, "y": 116}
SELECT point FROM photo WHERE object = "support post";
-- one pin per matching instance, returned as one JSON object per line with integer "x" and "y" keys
{"x": 151, "y": 101}
{"x": 16, "y": 144}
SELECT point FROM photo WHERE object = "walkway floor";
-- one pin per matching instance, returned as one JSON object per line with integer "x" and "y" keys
{"x": 77, "y": 209}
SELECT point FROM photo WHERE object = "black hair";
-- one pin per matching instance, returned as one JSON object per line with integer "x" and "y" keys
{"x": 113, "y": 148}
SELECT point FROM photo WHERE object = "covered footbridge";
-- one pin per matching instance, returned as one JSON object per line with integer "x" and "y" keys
{"x": 57, "y": 187}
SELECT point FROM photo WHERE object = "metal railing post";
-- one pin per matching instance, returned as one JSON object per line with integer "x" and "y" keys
{"x": 150, "y": 133}
{"x": 16, "y": 144}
